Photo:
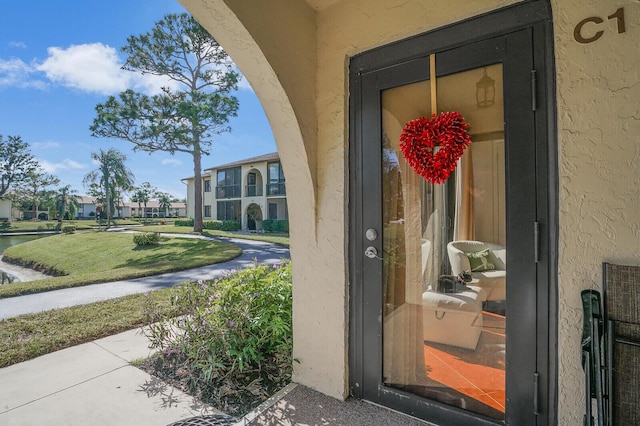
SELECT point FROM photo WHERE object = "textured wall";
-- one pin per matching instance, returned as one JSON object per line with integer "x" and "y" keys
{"x": 598, "y": 132}
{"x": 346, "y": 29}
{"x": 298, "y": 65}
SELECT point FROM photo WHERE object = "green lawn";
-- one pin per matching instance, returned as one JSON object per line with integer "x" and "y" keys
{"x": 41, "y": 225}
{"x": 276, "y": 238}
{"x": 95, "y": 256}
{"x": 29, "y": 336}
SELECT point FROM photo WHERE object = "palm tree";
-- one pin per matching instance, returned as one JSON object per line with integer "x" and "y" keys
{"x": 164, "y": 201}
{"x": 66, "y": 201}
{"x": 32, "y": 191}
{"x": 140, "y": 196}
{"x": 111, "y": 175}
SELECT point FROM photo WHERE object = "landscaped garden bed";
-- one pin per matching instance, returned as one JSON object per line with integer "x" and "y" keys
{"x": 233, "y": 347}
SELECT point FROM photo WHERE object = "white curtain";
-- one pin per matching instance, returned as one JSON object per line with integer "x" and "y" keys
{"x": 464, "y": 221}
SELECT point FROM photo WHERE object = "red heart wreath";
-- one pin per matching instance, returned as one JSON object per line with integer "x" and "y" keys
{"x": 420, "y": 138}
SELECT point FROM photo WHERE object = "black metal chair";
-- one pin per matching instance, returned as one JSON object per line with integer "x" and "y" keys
{"x": 621, "y": 289}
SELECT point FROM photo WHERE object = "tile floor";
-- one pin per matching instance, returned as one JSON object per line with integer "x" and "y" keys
{"x": 477, "y": 377}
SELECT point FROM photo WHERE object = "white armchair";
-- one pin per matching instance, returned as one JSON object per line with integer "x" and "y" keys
{"x": 492, "y": 281}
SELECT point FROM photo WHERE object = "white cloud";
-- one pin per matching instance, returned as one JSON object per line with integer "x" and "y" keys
{"x": 45, "y": 145}
{"x": 87, "y": 67}
{"x": 65, "y": 164}
{"x": 92, "y": 68}
{"x": 18, "y": 44}
{"x": 96, "y": 68}
{"x": 172, "y": 161}
{"x": 16, "y": 73}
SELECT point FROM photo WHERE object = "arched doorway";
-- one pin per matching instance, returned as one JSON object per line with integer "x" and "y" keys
{"x": 254, "y": 186}
{"x": 254, "y": 217}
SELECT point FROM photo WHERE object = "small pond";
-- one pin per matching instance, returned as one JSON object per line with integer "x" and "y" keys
{"x": 7, "y": 241}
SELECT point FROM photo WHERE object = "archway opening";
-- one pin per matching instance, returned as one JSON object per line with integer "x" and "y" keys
{"x": 254, "y": 217}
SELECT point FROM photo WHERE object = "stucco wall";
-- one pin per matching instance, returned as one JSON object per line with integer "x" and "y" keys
{"x": 299, "y": 65}
{"x": 346, "y": 29}
{"x": 598, "y": 133}
{"x": 5, "y": 209}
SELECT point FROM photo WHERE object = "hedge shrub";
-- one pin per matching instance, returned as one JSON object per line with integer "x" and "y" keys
{"x": 146, "y": 238}
{"x": 271, "y": 225}
{"x": 68, "y": 229}
{"x": 183, "y": 222}
{"x": 221, "y": 225}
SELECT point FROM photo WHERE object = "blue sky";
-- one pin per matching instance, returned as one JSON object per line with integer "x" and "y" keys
{"x": 59, "y": 59}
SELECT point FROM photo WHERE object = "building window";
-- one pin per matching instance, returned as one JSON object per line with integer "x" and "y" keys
{"x": 253, "y": 189}
{"x": 229, "y": 184}
{"x": 207, "y": 211}
{"x": 229, "y": 210}
{"x": 207, "y": 185}
{"x": 275, "y": 177}
{"x": 273, "y": 211}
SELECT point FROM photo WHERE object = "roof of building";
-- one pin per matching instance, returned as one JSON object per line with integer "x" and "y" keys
{"x": 155, "y": 204}
{"x": 83, "y": 199}
{"x": 273, "y": 156}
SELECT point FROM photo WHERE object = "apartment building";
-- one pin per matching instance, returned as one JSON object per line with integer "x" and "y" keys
{"x": 247, "y": 191}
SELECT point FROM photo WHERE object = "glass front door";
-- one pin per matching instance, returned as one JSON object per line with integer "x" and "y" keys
{"x": 444, "y": 337}
{"x": 443, "y": 329}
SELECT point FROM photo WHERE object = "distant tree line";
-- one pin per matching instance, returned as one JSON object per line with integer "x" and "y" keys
{"x": 23, "y": 180}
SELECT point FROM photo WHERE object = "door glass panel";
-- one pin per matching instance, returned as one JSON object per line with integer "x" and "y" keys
{"x": 446, "y": 346}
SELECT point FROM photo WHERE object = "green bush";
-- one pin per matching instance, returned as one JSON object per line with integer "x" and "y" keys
{"x": 231, "y": 225}
{"x": 68, "y": 229}
{"x": 236, "y": 335}
{"x": 215, "y": 225}
{"x": 146, "y": 238}
{"x": 272, "y": 225}
{"x": 183, "y": 222}
{"x": 281, "y": 226}
{"x": 221, "y": 225}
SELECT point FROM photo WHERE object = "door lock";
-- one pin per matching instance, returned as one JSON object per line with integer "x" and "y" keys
{"x": 372, "y": 253}
{"x": 371, "y": 234}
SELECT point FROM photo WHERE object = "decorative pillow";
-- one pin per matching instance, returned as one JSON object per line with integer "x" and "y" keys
{"x": 481, "y": 261}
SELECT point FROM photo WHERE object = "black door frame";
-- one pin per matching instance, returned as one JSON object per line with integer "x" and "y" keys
{"x": 536, "y": 16}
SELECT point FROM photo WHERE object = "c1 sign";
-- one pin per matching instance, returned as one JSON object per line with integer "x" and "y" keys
{"x": 579, "y": 30}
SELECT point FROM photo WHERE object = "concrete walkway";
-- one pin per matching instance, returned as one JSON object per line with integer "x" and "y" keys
{"x": 95, "y": 384}
{"x": 263, "y": 253}
{"x": 92, "y": 384}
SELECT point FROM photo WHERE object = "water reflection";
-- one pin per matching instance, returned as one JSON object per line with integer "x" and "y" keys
{"x": 7, "y": 278}
{"x": 7, "y": 241}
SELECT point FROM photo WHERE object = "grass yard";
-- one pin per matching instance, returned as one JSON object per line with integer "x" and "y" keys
{"x": 41, "y": 226}
{"x": 93, "y": 256}
{"x": 275, "y": 238}
{"x": 29, "y": 336}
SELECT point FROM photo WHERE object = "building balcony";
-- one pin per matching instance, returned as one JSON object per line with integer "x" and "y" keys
{"x": 229, "y": 191}
{"x": 253, "y": 191}
{"x": 276, "y": 189}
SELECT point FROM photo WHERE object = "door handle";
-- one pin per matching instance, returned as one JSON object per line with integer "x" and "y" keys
{"x": 372, "y": 253}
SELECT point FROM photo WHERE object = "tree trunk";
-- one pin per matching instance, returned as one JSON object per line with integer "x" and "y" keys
{"x": 107, "y": 202}
{"x": 197, "y": 177}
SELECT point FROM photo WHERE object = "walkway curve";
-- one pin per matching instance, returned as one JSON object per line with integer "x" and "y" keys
{"x": 252, "y": 251}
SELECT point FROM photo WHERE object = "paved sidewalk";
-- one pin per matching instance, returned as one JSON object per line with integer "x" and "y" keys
{"x": 92, "y": 384}
{"x": 264, "y": 253}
